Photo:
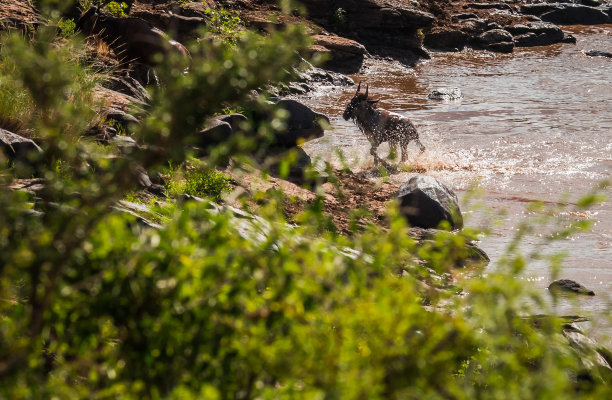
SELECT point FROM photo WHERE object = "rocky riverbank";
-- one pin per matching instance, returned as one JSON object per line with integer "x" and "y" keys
{"x": 347, "y": 33}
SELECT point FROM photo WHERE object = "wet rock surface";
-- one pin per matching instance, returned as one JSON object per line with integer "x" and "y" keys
{"x": 426, "y": 202}
{"x": 577, "y": 14}
{"x": 535, "y": 34}
{"x": 598, "y": 53}
{"x": 446, "y": 39}
{"x": 568, "y": 286}
{"x": 17, "y": 148}
{"x": 445, "y": 94}
{"x": 303, "y": 124}
{"x": 499, "y": 40}
{"x": 385, "y": 28}
{"x": 344, "y": 55}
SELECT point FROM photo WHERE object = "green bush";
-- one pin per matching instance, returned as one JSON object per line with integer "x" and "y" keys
{"x": 220, "y": 304}
{"x": 67, "y": 26}
{"x": 197, "y": 181}
{"x": 117, "y": 8}
{"x": 224, "y": 23}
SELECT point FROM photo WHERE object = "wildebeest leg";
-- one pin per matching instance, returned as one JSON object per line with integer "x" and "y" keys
{"x": 374, "y": 153}
{"x": 403, "y": 146}
{"x": 420, "y": 145}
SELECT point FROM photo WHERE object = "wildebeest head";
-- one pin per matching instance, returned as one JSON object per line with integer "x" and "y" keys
{"x": 358, "y": 101}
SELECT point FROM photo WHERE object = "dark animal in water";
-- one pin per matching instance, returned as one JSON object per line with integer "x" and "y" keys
{"x": 132, "y": 39}
{"x": 379, "y": 125}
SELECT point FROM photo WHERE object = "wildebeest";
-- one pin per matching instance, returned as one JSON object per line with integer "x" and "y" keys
{"x": 379, "y": 125}
{"x": 132, "y": 39}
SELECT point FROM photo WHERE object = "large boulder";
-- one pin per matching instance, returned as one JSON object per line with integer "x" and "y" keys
{"x": 535, "y": 34}
{"x": 344, "y": 55}
{"x": 594, "y": 358}
{"x": 372, "y": 14}
{"x": 498, "y": 40}
{"x": 17, "y": 148}
{"x": 568, "y": 286}
{"x": 597, "y": 53}
{"x": 446, "y": 39}
{"x": 576, "y": 14}
{"x": 312, "y": 74}
{"x": 474, "y": 26}
{"x": 425, "y": 202}
{"x": 303, "y": 124}
{"x": 386, "y": 28}
{"x": 539, "y": 8}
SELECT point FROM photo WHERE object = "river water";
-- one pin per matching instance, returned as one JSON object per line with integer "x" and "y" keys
{"x": 533, "y": 125}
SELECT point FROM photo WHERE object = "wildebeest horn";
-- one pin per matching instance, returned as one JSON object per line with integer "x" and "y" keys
{"x": 367, "y": 87}
{"x": 359, "y": 87}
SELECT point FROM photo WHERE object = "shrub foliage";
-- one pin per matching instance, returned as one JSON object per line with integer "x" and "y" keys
{"x": 94, "y": 305}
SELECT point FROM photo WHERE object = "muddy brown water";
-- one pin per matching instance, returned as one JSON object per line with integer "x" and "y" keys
{"x": 533, "y": 125}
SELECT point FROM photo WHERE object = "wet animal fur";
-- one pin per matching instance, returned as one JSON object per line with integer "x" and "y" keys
{"x": 379, "y": 125}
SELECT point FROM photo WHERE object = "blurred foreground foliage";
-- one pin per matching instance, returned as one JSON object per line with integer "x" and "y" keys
{"x": 94, "y": 305}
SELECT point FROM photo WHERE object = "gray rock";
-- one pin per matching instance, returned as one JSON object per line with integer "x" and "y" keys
{"x": 17, "y": 148}
{"x": 314, "y": 74}
{"x": 343, "y": 55}
{"x": 458, "y": 17}
{"x": 539, "y": 8}
{"x": 445, "y": 94}
{"x": 474, "y": 26}
{"x": 386, "y": 28}
{"x": 568, "y": 286}
{"x": 598, "y": 53}
{"x": 131, "y": 38}
{"x": 123, "y": 141}
{"x": 142, "y": 176}
{"x": 536, "y": 34}
{"x": 425, "y": 202}
{"x": 303, "y": 124}
{"x": 593, "y": 358}
{"x": 235, "y": 120}
{"x": 446, "y": 39}
{"x": 498, "y": 40}
{"x": 592, "y": 3}
{"x": 576, "y": 14}
{"x": 474, "y": 255}
{"x": 121, "y": 116}
{"x": 489, "y": 6}
{"x": 372, "y": 14}
{"x": 128, "y": 86}
{"x": 216, "y": 131}
{"x": 138, "y": 211}
{"x": 567, "y": 38}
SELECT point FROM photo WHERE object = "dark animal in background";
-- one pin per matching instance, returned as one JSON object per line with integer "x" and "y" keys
{"x": 132, "y": 39}
{"x": 379, "y": 125}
